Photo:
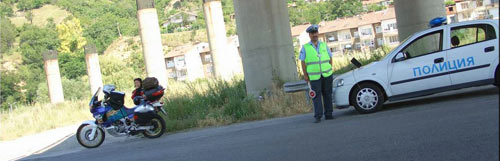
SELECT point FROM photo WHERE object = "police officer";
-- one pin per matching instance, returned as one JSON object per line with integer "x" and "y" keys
{"x": 316, "y": 61}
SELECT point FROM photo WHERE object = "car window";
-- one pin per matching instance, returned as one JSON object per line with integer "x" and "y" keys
{"x": 426, "y": 44}
{"x": 470, "y": 34}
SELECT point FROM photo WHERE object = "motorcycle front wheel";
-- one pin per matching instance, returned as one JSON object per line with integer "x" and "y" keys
{"x": 84, "y": 138}
{"x": 158, "y": 127}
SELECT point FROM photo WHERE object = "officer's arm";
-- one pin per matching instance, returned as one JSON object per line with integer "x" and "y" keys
{"x": 331, "y": 56}
{"x": 306, "y": 76}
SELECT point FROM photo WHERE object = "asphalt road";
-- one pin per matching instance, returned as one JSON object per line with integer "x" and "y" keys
{"x": 456, "y": 125}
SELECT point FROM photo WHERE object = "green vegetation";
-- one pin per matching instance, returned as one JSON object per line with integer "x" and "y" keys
{"x": 375, "y": 7}
{"x": 304, "y": 12}
{"x": 31, "y": 27}
{"x": 343, "y": 63}
{"x": 449, "y": 2}
{"x": 34, "y": 118}
{"x": 8, "y": 34}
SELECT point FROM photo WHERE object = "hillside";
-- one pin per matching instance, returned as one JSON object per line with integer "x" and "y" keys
{"x": 40, "y": 16}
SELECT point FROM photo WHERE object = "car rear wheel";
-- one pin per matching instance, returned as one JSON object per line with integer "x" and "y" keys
{"x": 367, "y": 98}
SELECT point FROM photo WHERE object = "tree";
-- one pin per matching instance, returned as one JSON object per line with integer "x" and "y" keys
{"x": 71, "y": 36}
{"x": 72, "y": 65}
{"x": 102, "y": 32}
{"x": 30, "y": 4}
{"x": 374, "y": 7}
{"x": 29, "y": 16}
{"x": 6, "y": 10}
{"x": 9, "y": 88}
{"x": 449, "y": 2}
{"x": 34, "y": 41}
{"x": 7, "y": 35}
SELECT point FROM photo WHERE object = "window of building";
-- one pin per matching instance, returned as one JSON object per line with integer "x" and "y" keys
{"x": 450, "y": 9}
{"x": 170, "y": 63}
{"x": 466, "y": 15}
{"x": 347, "y": 36}
{"x": 356, "y": 34}
{"x": 366, "y": 32}
{"x": 357, "y": 46}
{"x": 180, "y": 62}
{"x": 393, "y": 39}
{"x": 472, "y": 34}
{"x": 334, "y": 49}
{"x": 172, "y": 75}
{"x": 465, "y": 5}
{"x": 380, "y": 41}
{"x": 347, "y": 46}
{"x": 182, "y": 73}
{"x": 378, "y": 29}
{"x": 331, "y": 37}
{"x": 391, "y": 26}
{"x": 206, "y": 58}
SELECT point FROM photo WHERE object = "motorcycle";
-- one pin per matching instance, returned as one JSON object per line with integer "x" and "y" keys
{"x": 117, "y": 120}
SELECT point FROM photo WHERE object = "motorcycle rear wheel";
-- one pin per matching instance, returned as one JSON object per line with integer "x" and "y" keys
{"x": 83, "y": 136}
{"x": 159, "y": 127}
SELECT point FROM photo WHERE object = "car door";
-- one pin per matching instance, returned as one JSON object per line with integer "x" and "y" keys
{"x": 473, "y": 48}
{"x": 419, "y": 69}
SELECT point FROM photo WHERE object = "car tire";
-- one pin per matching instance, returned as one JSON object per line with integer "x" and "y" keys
{"x": 367, "y": 98}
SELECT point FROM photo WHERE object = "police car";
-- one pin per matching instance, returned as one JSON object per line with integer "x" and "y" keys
{"x": 438, "y": 59}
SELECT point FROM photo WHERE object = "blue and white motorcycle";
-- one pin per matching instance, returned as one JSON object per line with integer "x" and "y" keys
{"x": 117, "y": 120}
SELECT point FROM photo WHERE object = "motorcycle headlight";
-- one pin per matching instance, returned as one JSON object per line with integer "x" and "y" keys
{"x": 339, "y": 82}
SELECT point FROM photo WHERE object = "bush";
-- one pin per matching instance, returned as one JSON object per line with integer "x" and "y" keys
{"x": 208, "y": 103}
{"x": 73, "y": 89}
{"x": 117, "y": 72}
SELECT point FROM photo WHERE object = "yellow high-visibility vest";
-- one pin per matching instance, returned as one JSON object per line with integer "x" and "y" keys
{"x": 317, "y": 63}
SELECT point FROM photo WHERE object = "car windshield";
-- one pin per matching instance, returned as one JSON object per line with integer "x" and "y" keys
{"x": 402, "y": 42}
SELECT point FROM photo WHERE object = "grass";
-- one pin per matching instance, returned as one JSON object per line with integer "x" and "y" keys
{"x": 342, "y": 63}
{"x": 31, "y": 119}
{"x": 216, "y": 103}
{"x": 41, "y": 15}
{"x": 198, "y": 104}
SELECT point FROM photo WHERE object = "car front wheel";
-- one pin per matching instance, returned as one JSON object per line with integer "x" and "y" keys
{"x": 367, "y": 98}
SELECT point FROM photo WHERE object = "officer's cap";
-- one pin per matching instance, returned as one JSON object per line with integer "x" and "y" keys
{"x": 312, "y": 29}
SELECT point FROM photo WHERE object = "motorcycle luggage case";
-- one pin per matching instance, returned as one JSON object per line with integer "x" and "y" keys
{"x": 116, "y": 100}
{"x": 154, "y": 94}
{"x": 143, "y": 119}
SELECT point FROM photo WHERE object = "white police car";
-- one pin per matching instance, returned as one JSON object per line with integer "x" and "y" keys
{"x": 438, "y": 59}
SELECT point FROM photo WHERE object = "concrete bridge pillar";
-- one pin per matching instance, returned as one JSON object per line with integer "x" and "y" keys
{"x": 93, "y": 68}
{"x": 413, "y": 16}
{"x": 151, "y": 41}
{"x": 51, "y": 66}
{"x": 265, "y": 43}
{"x": 224, "y": 59}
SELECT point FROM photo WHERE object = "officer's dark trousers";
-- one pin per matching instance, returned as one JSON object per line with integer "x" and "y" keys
{"x": 323, "y": 89}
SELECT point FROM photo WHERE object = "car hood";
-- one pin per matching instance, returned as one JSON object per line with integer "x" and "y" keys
{"x": 367, "y": 69}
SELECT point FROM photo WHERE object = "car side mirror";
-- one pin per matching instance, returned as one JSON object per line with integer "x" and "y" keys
{"x": 400, "y": 57}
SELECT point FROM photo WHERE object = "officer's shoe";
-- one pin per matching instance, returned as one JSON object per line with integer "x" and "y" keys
{"x": 329, "y": 118}
{"x": 317, "y": 120}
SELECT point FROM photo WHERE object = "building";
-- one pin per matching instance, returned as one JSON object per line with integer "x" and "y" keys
{"x": 465, "y": 10}
{"x": 300, "y": 35}
{"x": 193, "y": 61}
{"x": 178, "y": 18}
{"x": 362, "y": 33}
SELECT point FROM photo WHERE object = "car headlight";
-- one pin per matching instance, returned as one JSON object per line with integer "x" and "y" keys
{"x": 339, "y": 82}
